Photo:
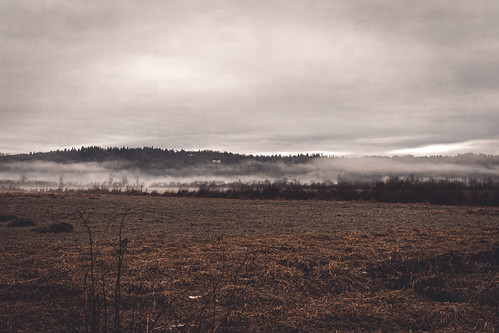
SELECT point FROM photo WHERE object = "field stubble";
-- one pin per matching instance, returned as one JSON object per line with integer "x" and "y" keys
{"x": 253, "y": 265}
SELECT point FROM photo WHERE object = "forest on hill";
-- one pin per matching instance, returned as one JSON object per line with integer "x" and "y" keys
{"x": 150, "y": 157}
{"x": 147, "y": 157}
{"x": 149, "y": 165}
{"x": 464, "y": 179}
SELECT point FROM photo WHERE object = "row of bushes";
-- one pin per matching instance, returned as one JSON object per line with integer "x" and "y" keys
{"x": 439, "y": 192}
{"x": 395, "y": 191}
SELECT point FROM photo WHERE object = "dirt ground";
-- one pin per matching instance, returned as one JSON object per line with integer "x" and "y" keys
{"x": 198, "y": 264}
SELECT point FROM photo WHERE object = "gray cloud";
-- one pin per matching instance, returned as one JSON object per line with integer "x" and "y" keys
{"x": 260, "y": 76}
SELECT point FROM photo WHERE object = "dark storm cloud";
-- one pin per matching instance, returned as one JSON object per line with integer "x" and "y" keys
{"x": 362, "y": 77}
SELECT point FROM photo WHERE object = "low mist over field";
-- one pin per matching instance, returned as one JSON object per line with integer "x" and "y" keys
{"x": 146, "y": 167}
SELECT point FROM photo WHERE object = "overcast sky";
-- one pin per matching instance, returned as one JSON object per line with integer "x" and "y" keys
{"x": 340, "y": 77}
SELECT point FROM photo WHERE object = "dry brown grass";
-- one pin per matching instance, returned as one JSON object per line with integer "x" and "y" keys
{"x": 394, "y": 279}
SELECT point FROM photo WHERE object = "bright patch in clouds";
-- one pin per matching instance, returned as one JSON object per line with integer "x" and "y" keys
{"x": 444, "y": 149}
{"x": 483, "y": 146}
{"x": 172, "y": 74}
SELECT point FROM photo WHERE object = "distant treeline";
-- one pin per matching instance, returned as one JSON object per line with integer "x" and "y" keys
{"x": 150, "y": 157}
{"x": 440, "y": 192}
{"x": 462, "y": 179}
{"x": 394, "y": 190}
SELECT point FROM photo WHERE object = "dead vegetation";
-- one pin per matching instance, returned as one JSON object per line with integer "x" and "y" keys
{"x": 393, "y": 279}
{"x": 54, "y": 228}
{"x": 16, "y": 222}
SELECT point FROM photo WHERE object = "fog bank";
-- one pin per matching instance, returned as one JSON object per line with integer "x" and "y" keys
{"x": 119, "y": 174}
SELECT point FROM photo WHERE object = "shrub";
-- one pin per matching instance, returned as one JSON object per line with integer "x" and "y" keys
{"x": 55, "y": 228}
{"x": 17, "y": 222}
{"x": 5, "y": 217}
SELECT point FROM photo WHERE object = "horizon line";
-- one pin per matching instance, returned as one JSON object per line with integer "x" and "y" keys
{"x": 326, "y": 154}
